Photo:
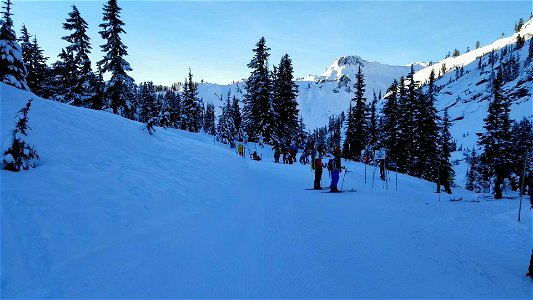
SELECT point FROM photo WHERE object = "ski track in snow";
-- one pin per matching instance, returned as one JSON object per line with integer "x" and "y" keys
{"x": 113, "y": 212}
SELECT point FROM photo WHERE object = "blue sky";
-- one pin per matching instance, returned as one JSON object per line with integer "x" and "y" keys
{"x": 216, "y": 38}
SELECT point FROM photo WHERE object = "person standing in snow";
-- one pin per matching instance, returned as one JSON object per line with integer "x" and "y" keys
{"x": 277, "y": 152}
{"x": 335, "y": 169}
{"x": 317, "y": 163}
{"x": 293, "y": 153}
{"x": 240, "y": 149}
{"x": 382, "y": 169}
{"x": 313, "y": 156}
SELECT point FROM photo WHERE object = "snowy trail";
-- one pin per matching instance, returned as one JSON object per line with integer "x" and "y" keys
{"x": 118, "y": 213}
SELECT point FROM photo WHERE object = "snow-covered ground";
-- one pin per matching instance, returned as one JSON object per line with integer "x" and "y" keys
{"x": 112, "y": 212}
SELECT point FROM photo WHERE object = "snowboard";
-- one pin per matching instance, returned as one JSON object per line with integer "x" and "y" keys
{"x": 313, "y": 189}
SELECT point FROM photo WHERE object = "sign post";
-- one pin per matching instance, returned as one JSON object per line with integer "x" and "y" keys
{"x": 365, "y": 160}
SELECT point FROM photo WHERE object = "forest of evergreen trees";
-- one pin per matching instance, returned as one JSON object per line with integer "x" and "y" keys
{"x": 408, "y": 125}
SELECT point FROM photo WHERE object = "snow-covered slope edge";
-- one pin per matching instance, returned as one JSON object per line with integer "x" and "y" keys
{"x": 101, "y": 180}
{"x": 467, "y": 92}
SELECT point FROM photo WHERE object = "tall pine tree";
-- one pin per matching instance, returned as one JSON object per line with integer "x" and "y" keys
{"x": 284, "y": 102}
{"x": 78, "y": 49}
{"x": 12, "y": 69}
{"x": 257, "y": 113}
{"x": 209, "y": 119}
{"x": 390, "y": 129}
{"x": 356, "y": 132}
{"x": 446, "y": 172}
{"x": 120, "y": 85}
{"x": 497, "y": 138}
{"x": 190, "y": 106}
{"x": 35, "y": 63}
{"x": 237, "y": 118}
{"x": 428, "y": 131}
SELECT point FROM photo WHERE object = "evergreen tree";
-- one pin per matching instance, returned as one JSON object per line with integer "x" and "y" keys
{"x": 478, "y": 45}
{"x": 97, "y": 85}
{"x": 389, "y": 122}
{"x": 148, "y": 106}
{"x": 64, "y": 78}
{"x": 334, "y": 134}
{"x": 25, "y": 46}
{"x": 120, "y": 85}
{"x": 372, "y": 123}
{"x": 20, "y": 155}
{"x": 172, "y": 101}
{"x": 257, "y": 113}
{"x": 408, "y": 112}
{"x": 226, "y": 128}
{"x": 518, "y": 26}
{"x": 456, "y": 52}
{"x": 356, "y": 132}
{"x": 427, "y": 132}
{"x": 35, "y": 63}
{"x": 445, "y": 169}
{"x": 284, "y": 102}
{"x": 190, "y": 106}
{"x": 520, "y": 41}
{"x": 78, "y": 50}
{"x": 497, "y": 138}
{"x": 347, "y": 148}
{"x": 209, "y": 119}
{"x": 12, "y": 69}
{"x": 474, "y": 174}
{"x": 235, "y": 114}
{"x": 521, "y": 146}
{"x": 302, "y": 136}
{"x": 530, "y": 51}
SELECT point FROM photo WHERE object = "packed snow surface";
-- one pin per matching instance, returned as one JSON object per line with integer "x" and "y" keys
{"x": 112, "y": 212}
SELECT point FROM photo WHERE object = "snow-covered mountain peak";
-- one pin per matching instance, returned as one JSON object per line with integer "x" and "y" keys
{"x": 350, "y": 60}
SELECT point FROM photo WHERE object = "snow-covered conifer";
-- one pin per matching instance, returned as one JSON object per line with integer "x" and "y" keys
{"x": 284, "y": 105}
{"x": 257, "y": 113}
{"x": 12, "y": 69}
{"x": 120, "y": 85}
{"x": 21, "y": 155}
{"x": 78, "y": 51}
{"x": 497, "y": 138}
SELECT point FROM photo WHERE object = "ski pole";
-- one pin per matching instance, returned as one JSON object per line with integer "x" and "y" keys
{"x": 344, "y": 176}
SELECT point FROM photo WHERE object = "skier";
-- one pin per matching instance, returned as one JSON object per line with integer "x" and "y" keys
{"x": 240, "y": 149}
{"x": 317, "y": 163}
{"x": 445, "y": 179}
{"x": 255, "y": 156}
{"x": 277, "y": 152}
{"x": 285, "y": 154}
{"x": 335, "y": 168}
{"x": 293, "y": 153}
{"x": 313, "y": 156}
{"x": 382, "y": 169}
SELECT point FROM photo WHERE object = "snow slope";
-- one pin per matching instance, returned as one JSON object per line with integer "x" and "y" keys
{"x": 467, "y": 97}
{"x": 114, "y": 212}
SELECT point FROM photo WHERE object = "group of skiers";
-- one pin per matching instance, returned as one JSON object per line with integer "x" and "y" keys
{"x": 333, "y": 165}
{"x": 288, "y": 153}
{"x": 241, "y": 150}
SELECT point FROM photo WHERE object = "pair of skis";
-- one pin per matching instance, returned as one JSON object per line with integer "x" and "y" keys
{"x": 330, "y": 192}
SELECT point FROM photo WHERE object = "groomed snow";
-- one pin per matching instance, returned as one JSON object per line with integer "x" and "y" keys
{"x": 112, "y": 212}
